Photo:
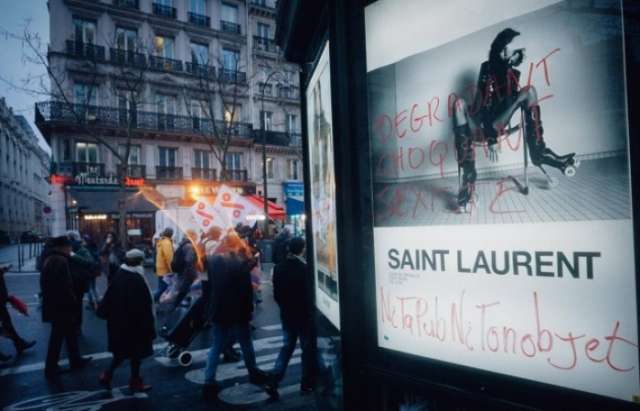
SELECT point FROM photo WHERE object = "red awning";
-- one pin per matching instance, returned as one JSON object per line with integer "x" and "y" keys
{"x": 276, "y": 212}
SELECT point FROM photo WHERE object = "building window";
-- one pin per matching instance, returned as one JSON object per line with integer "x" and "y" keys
{"x": 85, "y": 94}
{"x": 229, "y": 13}
{"x": 292, "y": 123}
{"x": 233, "y": 161}
{"x": 86, "y": 152}
{"x": 168, "y": 156}
{"x": 166, "y": 104}
{"x": 66, "y": 150}
{"x": 126, "y": 39}
{"x": 265, "y": 120}
{"x": 264, "y": 31}
{"x": 232, "y": 114}
{"x": 293, "y": 169}
{"x": 163, "y": 46}
{"x": 84, "y": 31}
{"x": 199, "y": 53}
{"x": 198, "y": 7}
{"x": 230, "y": 59}
{"x": 201, "y": 159}
{"x": 134, "y": 154}
{"x": 270, "y": 167}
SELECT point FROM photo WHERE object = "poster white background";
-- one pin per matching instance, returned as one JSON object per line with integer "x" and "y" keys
{"x": 323, "y": 188}
{"x": 585, "y": 307}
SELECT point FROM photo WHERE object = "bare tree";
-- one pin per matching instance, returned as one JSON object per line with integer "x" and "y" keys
{"x": 124, "y": 77}
{"x": 214, "y": 104}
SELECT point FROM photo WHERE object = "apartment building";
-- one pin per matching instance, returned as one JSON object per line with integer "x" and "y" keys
{"x": 176, "y": 48}
{"x": 24, "y": 169}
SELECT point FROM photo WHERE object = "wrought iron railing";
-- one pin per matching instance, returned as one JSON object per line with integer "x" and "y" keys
{"x": 165, "y": 64}
{"x": 232, "y": 76}
{"x": 265, "y": 44}
{"x": 127, "y": 58}
{"x": 113, "y": 117}
{"x": 234, "y": 175}
{"x": 277, "y": 138}
{"x": 164, "y": 11}
{"x": 229, "y": 27}
{"x": 168, "y": 173}
{"x": 290, "y": 93}
{"x": 201, "y": 70}
{"x": 136, "y": 171}
{"x": 87, "y": 51}
{"x": 199, "y": 19}
{"x": 74, "y": 168}
{"x": 208, "y": 174}
{"x": 130, "y": 4}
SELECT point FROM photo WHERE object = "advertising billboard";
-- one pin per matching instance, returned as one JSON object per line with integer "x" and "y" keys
{"x": 323, "y": 188}
{"x": 503, "y": 226}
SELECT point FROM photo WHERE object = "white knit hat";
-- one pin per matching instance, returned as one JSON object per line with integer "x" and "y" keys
{"x": 135, "y": 253}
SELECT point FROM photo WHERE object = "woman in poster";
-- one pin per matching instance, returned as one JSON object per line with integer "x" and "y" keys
{"x": 498, "y": 97}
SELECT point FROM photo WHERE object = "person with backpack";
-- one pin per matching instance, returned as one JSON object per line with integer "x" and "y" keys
{"x": 164, "y": 258}
{"x": 184, "y": 266}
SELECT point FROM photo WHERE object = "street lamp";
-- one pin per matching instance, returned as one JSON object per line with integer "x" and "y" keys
{"x": 264, "y": 153}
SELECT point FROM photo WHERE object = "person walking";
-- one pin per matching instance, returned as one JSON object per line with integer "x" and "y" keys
{"x": 184, "y": 266}
{"x": 112, "y": 255}
{"x": 128, "y": 308}
{"x": 82, "y": 267}
{"x": 59, "y": 303}
{"x": 230, "y": 309}
{"x": 92, "y": 293}
{"x": 293, "y": 290}
{"x": 8, "y": 330}
{"x": 164, "y": 256}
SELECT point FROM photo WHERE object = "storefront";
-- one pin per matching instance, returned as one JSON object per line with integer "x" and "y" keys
{"x": 469, "y": 170}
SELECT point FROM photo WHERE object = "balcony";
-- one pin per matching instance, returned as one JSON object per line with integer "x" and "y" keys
{"x": 127, "y": 4}
{"x": 234, "y": 175}
{"x": 278, "y": 138}
{"x": 165, "y": 64}
{"x": 264, "y": 44}
{"x": 208, "y": 174}
{"x": 75, "y": 168}
{"x": 85, "y": 51}
{"x": 229, "y": 27}
{"x": 164, "y": 11}
{"x": 58, "y": 113}
{"x": 136, "y": 171}
{"x": 199, "y": 19}
{"x": 127, "y": 58}
{"x": 168, "y": 173}
{"x": 289, "y": 93}
{"x": 201, "y": 70}
{"x": 232, "y": 76}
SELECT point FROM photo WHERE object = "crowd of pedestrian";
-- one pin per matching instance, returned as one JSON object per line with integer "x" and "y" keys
{"x": 224, "y": 266}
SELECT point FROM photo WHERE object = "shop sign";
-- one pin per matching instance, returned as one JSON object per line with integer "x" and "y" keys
{"x": 133, "y": 182}
{"x": 525, "y": 271}
{"x": 87, "y": 179}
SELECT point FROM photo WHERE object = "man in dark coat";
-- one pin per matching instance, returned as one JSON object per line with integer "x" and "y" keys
{"x": 8, "y": 330}
{"x": 293, "y": 290}
{"x": 59, "y": 303}
{"x": 128, "y": 308}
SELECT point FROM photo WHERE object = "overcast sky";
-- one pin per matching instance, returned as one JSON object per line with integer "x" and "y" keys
{"x": 13, "y": 16}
